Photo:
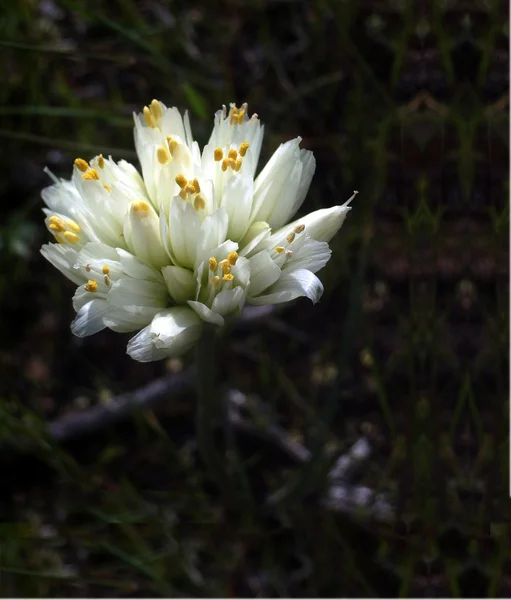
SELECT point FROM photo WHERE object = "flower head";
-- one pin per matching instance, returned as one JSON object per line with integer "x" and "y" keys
{"x": 193, "y": 238}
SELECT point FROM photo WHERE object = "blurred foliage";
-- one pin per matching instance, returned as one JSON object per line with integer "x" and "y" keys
{"x": 407, "y": 102}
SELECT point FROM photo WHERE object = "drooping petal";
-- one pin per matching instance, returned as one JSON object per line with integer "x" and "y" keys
{"x": 290, "y": 286}
{"x": 89, "y": 319}
{"x": 171, "y": 333}
{"x": 205, "y": 313}
{"x": 321, "y": 224}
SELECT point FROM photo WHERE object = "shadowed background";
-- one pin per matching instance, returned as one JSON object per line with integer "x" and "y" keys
{"x": 406, "y": 102}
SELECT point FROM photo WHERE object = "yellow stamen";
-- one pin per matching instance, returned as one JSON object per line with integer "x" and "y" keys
{"x": 107, "y": 188}
{"x": 148, "y": 117}
{"x": 101, "y": 162}
{"x": 74, "y": 226}
{"x": 163, "y": 155}
{"x": 279, "y": 249}
{"x": 231, "y": 162}
{"x": 57, "y": 224}
{"x": 291, "y": 237}
{"x": 172, "y": 144}
{"x": 232, "y": 257}
{"x": 107, "y": 280}
{"x": 218, "y": 154}
{"x": 141, "y": 207}
{"x": 225, "y": 164}
{"x": 189, "y": 189}
{"x": 181, "y": 180}
{"x": 299, "y": 228}
{"x": 196, "y": 185}
{"x": 241, "y": 114}
{"x": 213, "y": 263}
{"x": 232, "y": 154}
{"x": 91, "y": 286}
{"x": 156, "y": 110}
{"x": 199, "y": 203}
{"x": 215, "y": 281}
{"x": 88, "y": 268}
{"x": 237, "y": 164}
{"x": 106, "y": 270}
{"x": 225, "y": 266}
{"x": 83, "y": 165}
{"x": 91, "y": 174}
{"x": 72, "y": 238}
{"x": 227, "y": 277}
{"x": 243, "y": 148}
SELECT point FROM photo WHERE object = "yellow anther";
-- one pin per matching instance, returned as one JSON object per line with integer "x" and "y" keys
{"x": 237, "y": 164}
{"x": 70, "y": 237}
{"x": 107, "y": 188}
{"x": 299, "y": 228}
{"x": 91, "y": 174}
{"x": 91, "y": 286}
{"x": 240, "y": 116}
{"x": 106, "y": 270}
{"x": 83, "y": 165}
{"x": 199, "y": 203}
{"x": 57, "y": 224}
{"x": 148, "y": 117}
{"x": 101, "y": 162}
{"x": 218, "y": 154}
{"x": 163, "y": 155}
{"x": 88, "y": 268}
{"x": 232, "y": 257}
{"x": 243, "y": 148}
{"x": 156, "y": 110}
{"x": 172, "y": 144}
{"x": 196, "y": 185}
{"x": 141, "y": 207}
{"x": 215, "y": 281}
{"x": 279, "y": 249}
{"x": 232, "y": 154}
{"x": 189, "y": 189}
{"x": 231, "y": 162}
{"x": 74, "y": 226}
{"x": 213, "y": 263}
{"x": 227, "y": 277}
{"x": 225, "y": 164}
{"x": 225, "y": 266}
{"x": 107, "y": 280}
{"x": 181, "y": 180}
{"x": 291, "y": 237}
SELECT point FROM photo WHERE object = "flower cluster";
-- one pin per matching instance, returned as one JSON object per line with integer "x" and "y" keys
{"x": 191, "y": 239}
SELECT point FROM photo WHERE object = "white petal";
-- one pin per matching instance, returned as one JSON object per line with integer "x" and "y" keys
{"x": 180, "y": 283}
{"x": 290, "y": 286}
{"x": 171, "y": 333}
{"x": 142, "y": 234}
{"x": 205, "y": 313}
{"x": 312, "y": 255}
{"x": 263, "y": 273}
{"x": 125, "y": 321}
{"x": 132, "y": 294}
{"x": 213, "y": 232}
{"x": 321, "y": 224}
{"x": 256, "y": 233}
{"x": 63, "y": 257}
{"x": 237, "y": 201}
{"x": 89, "y": 319}
{"x": 184, "y": 232}
{"x": 229, "y": 301}
{"x": 134, "y": 267}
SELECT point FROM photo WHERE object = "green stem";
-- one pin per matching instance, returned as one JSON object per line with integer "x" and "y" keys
{"x": 210, "y": 409}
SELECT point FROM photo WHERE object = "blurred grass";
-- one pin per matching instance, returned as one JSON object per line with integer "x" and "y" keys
{"x": 409, "y": 345}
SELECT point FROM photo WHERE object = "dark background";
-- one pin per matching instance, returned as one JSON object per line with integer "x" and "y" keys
{"x": 407, "y": 102}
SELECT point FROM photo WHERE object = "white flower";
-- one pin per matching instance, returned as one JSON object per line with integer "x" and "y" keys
{"x": 194, "y": 239}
